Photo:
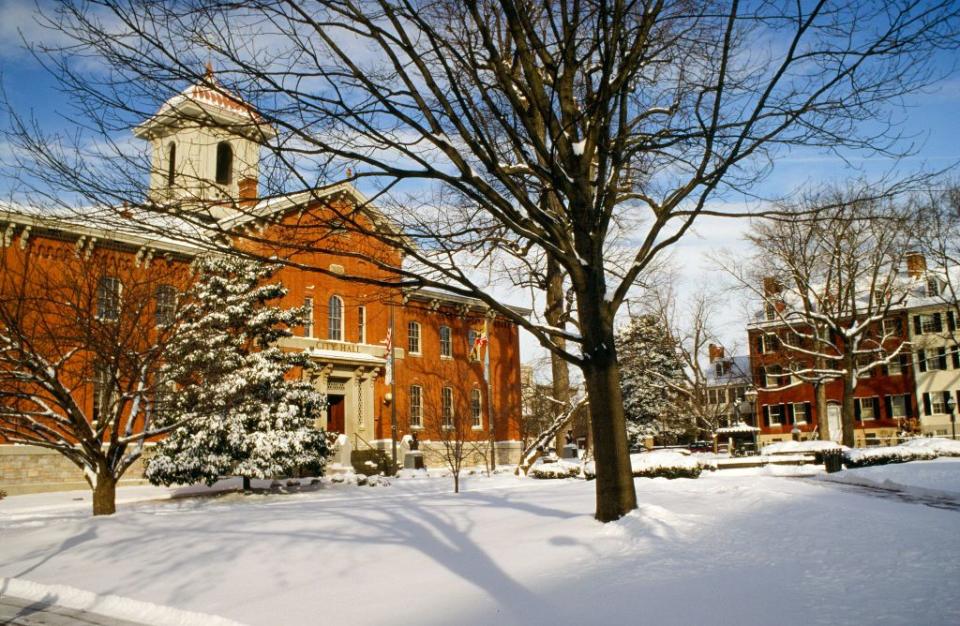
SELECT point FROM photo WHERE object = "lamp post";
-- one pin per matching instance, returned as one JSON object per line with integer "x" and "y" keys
{"x": 951, "y": 406}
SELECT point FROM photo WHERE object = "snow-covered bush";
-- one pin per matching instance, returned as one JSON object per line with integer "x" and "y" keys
{"x": 943, "y": 447}
{"x": 799, "y": 447}
{"x": 665, "y": 464}
{"x": 557, "y": 469}
{"x": 865, "y": 457}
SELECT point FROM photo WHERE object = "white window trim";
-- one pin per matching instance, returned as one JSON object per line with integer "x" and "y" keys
{"x": 806, "y": 417}
{"x": 863, "y": 418}
{"x": 447, "y": 421}
{"x": 893, "y": 406}
{"x": 330, "y": 327}
{"x": 479, "y": 394}
{"x": 779, "y": 421}
{"x": 419, "y": 327}
{"x": 419, "y": 424}
{"x": 362, "y": 323}
{"x": 449, "y": 342}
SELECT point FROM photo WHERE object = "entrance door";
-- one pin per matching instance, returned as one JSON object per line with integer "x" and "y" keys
{"x": 335, "y": 414}
{"x": 833, "y": 421}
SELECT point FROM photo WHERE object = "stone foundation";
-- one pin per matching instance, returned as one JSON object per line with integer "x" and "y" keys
{"x": 29, "y": 469}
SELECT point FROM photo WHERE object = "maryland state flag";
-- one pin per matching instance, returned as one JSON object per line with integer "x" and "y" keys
{"x": 479, "y": 342}
{"x": 388, "y": 342}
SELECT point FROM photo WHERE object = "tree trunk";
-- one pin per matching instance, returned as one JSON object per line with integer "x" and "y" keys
{"x": 616, "y": 495}
{"x": 823, "y": 422}
{"x": 246, "y": 483}
{"x": 456, "y": 482}
{"x": 846, "y": 418}
{"x": 560, "y": 369}
{"x": 105, "y": 495}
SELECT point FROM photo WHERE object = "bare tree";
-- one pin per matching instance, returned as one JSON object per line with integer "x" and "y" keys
{"x": 828, "y": 285}
{"x": 83, "y": 333}
{"x": 458, "y": 442}
{"x": 533, "y": 127}
{"x": 937, "y": 236}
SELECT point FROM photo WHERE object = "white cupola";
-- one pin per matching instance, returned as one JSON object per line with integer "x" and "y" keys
{"x": 205, "y": 148}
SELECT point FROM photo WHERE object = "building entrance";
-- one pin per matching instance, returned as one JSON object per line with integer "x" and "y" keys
{"x": 335, "y": 414}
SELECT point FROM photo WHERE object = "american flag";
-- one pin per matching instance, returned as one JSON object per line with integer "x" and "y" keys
{"x": 388, "y": 378}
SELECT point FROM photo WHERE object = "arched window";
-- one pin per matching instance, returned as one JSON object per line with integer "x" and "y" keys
{"x": 224, "y": 163}
{"x": 335, "y": 319}
{"x": 171, "y": 164}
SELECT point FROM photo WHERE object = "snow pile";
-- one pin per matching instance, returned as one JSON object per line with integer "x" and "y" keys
{"x": 865, "y": 457}
{"x": 799, "y": 447}
{"x": 555, "y": 469}
{"x": 109, "y": 605}
{"x": 938, "y": 479}
{"x": 665, "y": 464}
{"x": 943, "y": 447}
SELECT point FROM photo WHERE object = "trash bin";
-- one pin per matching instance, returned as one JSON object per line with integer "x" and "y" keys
{"x": 832, "y": 460}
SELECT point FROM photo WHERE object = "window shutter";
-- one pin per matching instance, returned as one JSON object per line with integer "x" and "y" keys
{"x": 884, "y": 370}
{"x": 946, "y": 401}
{"x": 937, "y": 323}
{"x": 951, "y": 321}
{"x": 908, "y": 405}
{"x": 809, "y": 413}
{"x": 766, "y": 416}
{"x": 956, "y": 358}
{"x": 876, "y": 407}
{"x": 926, "y": 404}
{"x": 856, "y": 409}
{"x": 888, "y": 406}
{"x": 759, "y": 344}
{"x": 917, "y": 327}
{"x": 942, "y": 358}
{"x": 922, "y": 360}
{"x": 787, "y": 411}
{"x": 904, "y": 362}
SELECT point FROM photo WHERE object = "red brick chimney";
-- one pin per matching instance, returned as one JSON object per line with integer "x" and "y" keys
{"x": 248, "y": 192}
{"x": 715, "y": 352}
{"x": 771, "y": 286}
{"x": 916, "y": 264}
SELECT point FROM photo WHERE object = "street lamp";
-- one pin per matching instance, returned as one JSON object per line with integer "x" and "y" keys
{"x": 951, "y": 405}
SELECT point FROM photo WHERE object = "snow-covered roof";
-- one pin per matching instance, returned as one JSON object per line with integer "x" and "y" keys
{"x": 736, "y": 370}
{"x": 739, "y": 427}
{"x": 342, "y": 355}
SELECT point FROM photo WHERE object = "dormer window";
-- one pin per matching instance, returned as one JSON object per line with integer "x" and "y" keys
{"x": 224, "y": 163}
{"x": 720, "y": 368}
{"x": 933, "y": 289}
{"x": 171, "y": 164}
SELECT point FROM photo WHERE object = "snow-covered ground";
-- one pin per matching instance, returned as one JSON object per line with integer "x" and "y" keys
{"x": 736, "y": 547}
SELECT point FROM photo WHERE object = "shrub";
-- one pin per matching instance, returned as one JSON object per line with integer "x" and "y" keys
{"x": 665, "y": 464}
{"x": 558, "y": 469}
{"x": 866, "y": 457}
{"x": 943, "y": 447}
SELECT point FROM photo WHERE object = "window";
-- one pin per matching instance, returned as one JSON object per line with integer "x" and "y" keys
{"x": 898, "y": 406}
{"x": 224, "y": 163}
{"x": 937, "y": 404}
{"x": 929, "y": 323}
{"x": 894, "y": 366}
{"x": 166, "y": 297}
{"x": 862, "y": 370}
{"x": 712, "y": 396}
{"x": 446, "y": 345}
{"x": 335, "y": 319}
{"x": 161, "y": 401}
{"x": 108, "y": 298}
{"x": 866, "y": 408}
{"x": 446, "y": 406}
{"x": 893, "y": 327}
{"x": 102, "y": 391}
{"x": 171, "y": 164}
{"x": 775, "y": 414}
{"x": 881, "y": 297}
{"x": 416, "y": 406}
{"x": 720, "y": 368}
{"x": 800, "y": 412}
{"x": 770, "y": 311}
{"x": 476, "y": 409}
{"x": 362, "y": 324}
{"x": 773, "y": 375}
{"x": 308, "y": 316}
{"x": 413, "y": 337}
{"x": 933, "y": 289}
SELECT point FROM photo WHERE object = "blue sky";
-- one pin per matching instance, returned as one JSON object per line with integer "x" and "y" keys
{"x": 929, "y": 123}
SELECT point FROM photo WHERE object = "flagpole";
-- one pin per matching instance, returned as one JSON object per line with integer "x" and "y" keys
{"x": 486, "y": 375}
{"x": 393, "y": 391}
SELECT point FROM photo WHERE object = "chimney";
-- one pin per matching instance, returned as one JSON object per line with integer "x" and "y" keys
{"x": 248, "y": 192}
{"x": 771, "y": 286}
{"x": 916, "y": 264}
{"x": 715, "y": 352}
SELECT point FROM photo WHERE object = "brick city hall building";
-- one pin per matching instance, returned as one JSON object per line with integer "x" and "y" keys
{"x": 205, "y": 147}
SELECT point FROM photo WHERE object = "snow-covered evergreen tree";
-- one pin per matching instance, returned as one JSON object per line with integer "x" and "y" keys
{"x": 650, "y": 371}
{"x": 244, "y": 416}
